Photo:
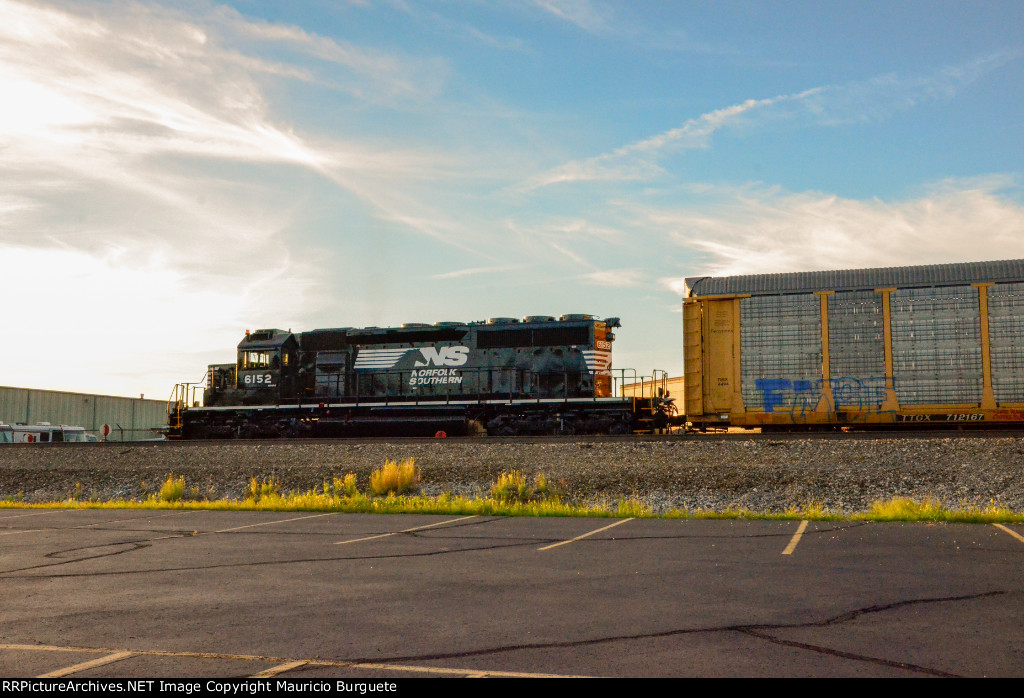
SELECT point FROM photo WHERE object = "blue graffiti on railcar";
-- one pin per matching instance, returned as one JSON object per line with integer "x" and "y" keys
{"x": 866, "y": 394}
{"x": 801, "y": 396}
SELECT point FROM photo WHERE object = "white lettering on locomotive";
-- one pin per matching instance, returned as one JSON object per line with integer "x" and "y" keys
{"x": 443, "y": 356}
{"x": 435, "y": 376}
{"x": 265, "y": 380}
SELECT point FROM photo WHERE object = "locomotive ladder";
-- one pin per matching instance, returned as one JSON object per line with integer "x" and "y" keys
{"x": 646, "y": 406}
{"x": 183, "y": 396}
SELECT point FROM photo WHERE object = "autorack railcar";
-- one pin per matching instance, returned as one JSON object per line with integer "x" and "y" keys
{"x": 918, "y": 346}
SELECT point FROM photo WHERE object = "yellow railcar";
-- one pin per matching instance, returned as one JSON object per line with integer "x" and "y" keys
{"x": 930, "y": 345}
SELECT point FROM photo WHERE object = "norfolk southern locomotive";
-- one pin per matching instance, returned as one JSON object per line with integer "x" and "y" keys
{"x": 506, "y": 377}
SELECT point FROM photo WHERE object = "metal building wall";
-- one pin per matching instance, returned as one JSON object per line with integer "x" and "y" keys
{"x": 130, "y": 419}
{"x": 936, "y": 345}
{"x": 1006, "y": 341}
{"x": 780, "y": 345}
{"x": 676, "y": 387}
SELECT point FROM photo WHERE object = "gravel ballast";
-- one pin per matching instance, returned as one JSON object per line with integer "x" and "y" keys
{"x": 845, "y": 475}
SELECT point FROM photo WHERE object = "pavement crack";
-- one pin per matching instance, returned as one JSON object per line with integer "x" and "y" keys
{"x": 879, "y": 608}
{"x": 906, "y": 666}
{"x": 128, "y": 546}
{"x": 9, "y": 574}
{"x": 759, "y": 631}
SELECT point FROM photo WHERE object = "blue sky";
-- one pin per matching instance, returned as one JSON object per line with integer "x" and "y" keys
{"x": 176, "y": 173}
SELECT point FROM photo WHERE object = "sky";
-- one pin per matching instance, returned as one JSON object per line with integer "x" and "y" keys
{"x": 175, "y": 173}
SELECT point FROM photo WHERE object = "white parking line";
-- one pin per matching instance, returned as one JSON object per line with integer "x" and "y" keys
{"x": 134, "y": 518}
{"x": 466, "y": 673}
{"x": 239, "y": 528}
{"x": 408, "y": 530}
{"x": 573, "y": 540}
{"x": 109, "y": 659}
{"x": 796, "y": 538}
{"x": 269, "y": 523}
{"x": 24, "y": 530}
{"x": 98, "y": 523}
{"x": 34, "y": 513}
{"x": 279, "y": 669}
{"x": 282, "y": 663}
{"x": 1012, "y": 533}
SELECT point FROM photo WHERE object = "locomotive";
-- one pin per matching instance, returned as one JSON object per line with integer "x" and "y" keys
{"x": 503, "y": 376}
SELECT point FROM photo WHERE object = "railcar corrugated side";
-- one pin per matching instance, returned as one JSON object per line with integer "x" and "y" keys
{"x": 927, "y": 345}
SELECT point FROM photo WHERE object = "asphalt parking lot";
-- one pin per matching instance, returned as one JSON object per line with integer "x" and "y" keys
{"x": 121, "y": 593}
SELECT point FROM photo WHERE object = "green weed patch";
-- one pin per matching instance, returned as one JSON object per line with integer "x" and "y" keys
{"x": 510, "y": 495}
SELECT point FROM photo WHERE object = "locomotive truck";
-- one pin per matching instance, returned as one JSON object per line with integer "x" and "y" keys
{"x": 537, "y": 376}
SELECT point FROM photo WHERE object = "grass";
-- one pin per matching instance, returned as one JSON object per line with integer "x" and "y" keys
{"x": 394, "y": 478}
{"x": 509, "y": 495}
{"x": 907, "y": 509}
{"x": 260, "y": 489}
{"x": 172, "y": 490}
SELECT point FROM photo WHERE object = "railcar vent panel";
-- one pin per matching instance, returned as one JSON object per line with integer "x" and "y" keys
{"x": 1006, "y": 341}
{"x": 780, "y": 340}
{"x": 936, "y": 345}
{"x": 856, "y": 348}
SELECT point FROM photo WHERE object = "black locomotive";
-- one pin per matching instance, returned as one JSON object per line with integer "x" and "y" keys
{"x": 540, "y": 375}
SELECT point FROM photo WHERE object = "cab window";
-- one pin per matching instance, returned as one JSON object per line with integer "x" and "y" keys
{"x": 255, "y": 359}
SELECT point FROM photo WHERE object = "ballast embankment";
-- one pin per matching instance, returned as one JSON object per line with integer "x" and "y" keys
{"x": 845, "y": 475}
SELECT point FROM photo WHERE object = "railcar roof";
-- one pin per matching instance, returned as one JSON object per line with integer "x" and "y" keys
{"x": 1002, "y": 271}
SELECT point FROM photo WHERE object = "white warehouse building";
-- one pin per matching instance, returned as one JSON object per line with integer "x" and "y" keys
{"x": 129, "y": 419}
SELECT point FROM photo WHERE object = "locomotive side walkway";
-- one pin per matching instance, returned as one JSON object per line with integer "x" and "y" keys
{"x": 694, "y": 472}
{"x": 93, "y": 593}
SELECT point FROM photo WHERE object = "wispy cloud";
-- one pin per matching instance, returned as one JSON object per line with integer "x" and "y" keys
{"x": 637, "y": 161}
{"x": 474, "y": 271}
{"x": 591, "y": 16}
{"x": 140, "y": 147}
{"x": 826, "y": 106}
{"x": 618, "y": 278}
{"x": 119, "y": 105}
{"x": 372, "y": 75}
{"x": 753, "y": 231}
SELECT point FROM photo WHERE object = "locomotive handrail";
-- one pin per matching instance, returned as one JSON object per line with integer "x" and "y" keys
{"x": 480, "y": 383}
{"x": 182, "y": 397}
{"x": 391, "y": 387}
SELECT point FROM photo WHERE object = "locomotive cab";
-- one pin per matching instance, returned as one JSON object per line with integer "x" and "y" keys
{"x": 267, "y": 366}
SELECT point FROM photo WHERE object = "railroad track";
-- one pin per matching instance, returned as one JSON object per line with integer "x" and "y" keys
{"x": 873, "y": 435}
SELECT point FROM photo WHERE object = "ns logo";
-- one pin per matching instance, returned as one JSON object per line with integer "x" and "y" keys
{"x": 443, "y": 356}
